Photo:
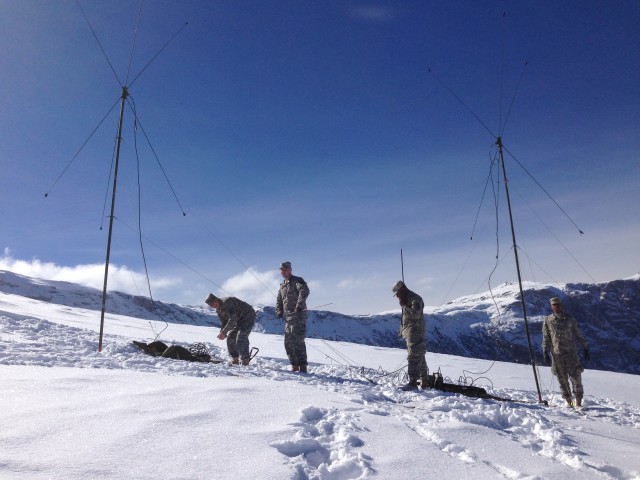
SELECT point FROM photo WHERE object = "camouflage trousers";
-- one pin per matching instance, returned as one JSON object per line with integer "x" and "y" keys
{"x": 569, "y": 372}
{"x": 416, "y": 351}
{"x": 294, "y": 335}
{"x": 238, "y": 342}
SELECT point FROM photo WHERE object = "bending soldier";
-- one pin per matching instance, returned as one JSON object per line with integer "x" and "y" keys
{"x": 413, "y": 330}
{"x": 237, "y": 319}
{"x": 291, "y": 304}
{"x": 559, "y": 334}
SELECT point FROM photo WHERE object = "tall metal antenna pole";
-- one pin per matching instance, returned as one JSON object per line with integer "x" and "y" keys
{"x": 515, "y": 251}
{"x": 125, "y": 94}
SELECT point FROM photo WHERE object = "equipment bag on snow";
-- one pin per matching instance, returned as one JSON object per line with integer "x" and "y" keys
{"x": 198, "y": 352}
{"x": 437, "y": 381}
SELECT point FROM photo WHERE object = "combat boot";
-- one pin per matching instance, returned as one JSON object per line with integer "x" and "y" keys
{"x": 295, "y": 368}
{"x": 235, "y": 361}
{"x": 303, "y": 369}
{"x": 245, "y": 361}
{"x": 579, "y": 402}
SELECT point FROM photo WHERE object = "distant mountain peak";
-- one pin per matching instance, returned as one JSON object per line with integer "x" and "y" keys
{"x": 486, "y": 325}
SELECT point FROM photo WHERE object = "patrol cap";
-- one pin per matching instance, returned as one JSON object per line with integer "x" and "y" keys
{"x": 210, "y": 299}
{"x": 285, "y": 265}
{"x": 397, "y": 286}
{"x": 555, "y": 301}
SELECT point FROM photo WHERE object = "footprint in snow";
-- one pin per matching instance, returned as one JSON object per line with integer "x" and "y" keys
{"x": 325, "y": 446}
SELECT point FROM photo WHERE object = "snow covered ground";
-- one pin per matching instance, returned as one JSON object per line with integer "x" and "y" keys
{"x": 69, "y": 412}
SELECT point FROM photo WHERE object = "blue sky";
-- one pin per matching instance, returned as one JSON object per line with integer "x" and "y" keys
{"x": 313, "y": 131}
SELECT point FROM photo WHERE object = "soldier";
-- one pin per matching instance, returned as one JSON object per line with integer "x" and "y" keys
{"x": 559, "y": 333}
{"x": 237, "y": 319}
{"x": 413, "y": 330}
{"x": 291, "y": 304}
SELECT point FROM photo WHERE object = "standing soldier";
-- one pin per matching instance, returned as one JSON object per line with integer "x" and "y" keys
{"x": 237, "y": 319}
{"x": 413, "y": 330}
{"x": 559, "y": 334}
{"x": 292, "y": 305}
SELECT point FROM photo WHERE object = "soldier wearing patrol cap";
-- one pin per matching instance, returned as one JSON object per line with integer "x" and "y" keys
{"x": 237, "y": 319}
{"x": 559, "y": 334}
{"x": 291, "y": 305}
{"x": 413, "y": 330}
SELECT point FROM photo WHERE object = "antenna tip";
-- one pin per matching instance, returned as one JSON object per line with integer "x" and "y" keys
{"x": 46, "y": 195}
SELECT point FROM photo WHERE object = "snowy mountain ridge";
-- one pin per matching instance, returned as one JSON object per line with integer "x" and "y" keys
{"x": 487, "y": 325}
{"x": 72, "y": 412}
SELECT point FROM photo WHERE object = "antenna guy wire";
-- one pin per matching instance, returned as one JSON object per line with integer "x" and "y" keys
{"x": 99, "y": 44}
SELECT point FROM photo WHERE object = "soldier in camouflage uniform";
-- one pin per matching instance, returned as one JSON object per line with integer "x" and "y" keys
{"x": 413, "y": 330}
{"x": 291, "y": 304}
{"x": 237, "y": 319}
{"x": 559, "y": 335}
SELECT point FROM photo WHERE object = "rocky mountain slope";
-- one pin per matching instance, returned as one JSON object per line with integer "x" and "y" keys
{"x": 488, "y": 325}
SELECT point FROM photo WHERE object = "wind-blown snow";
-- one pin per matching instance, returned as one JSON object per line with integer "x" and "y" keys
{"x": 70, "y": 412}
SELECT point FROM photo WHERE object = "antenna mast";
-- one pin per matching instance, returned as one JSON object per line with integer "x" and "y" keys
{"x": 123, "y": 100}
{"x": 515, "y": 252}
{"x": 125, "y": 94}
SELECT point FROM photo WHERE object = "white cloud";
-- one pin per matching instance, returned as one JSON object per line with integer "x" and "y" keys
{"x": 121, "y": 278}
{"x": 425, "y": 283}
{"x": 254, "y": 287}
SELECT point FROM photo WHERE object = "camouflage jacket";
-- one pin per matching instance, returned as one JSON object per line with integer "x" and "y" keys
{"x": 292, "y": 299}
{"x": 235, "y": 314}
{"x": 559, "y": 335}
{"x": 412, "y": 325}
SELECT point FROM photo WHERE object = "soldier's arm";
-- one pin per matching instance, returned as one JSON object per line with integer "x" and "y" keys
{"x": 546, "y": 341}
{"x": 279, "y": 307}
{"x": 232, "y": 319}
{"x": 222, "y": 316}
{"x": 414, "y": 309}
{"x": 303, "y": 293}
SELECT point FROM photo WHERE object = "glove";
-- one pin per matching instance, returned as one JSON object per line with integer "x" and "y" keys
{"x": 547, "y": 358}
{"x": 587, "y": 355}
